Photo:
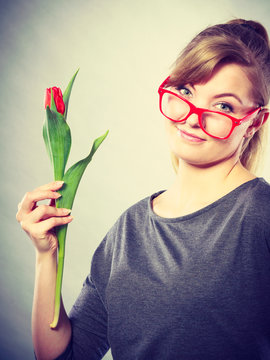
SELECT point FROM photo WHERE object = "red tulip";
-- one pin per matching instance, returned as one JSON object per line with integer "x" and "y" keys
{"x": 57, "y": 138}
{"x": 58, "y": 99}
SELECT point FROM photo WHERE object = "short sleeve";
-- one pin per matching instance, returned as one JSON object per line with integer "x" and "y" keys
{"x": 89, "y": 315}
{"x": 88, "y": 318}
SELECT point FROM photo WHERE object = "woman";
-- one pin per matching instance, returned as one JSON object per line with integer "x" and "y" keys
{"x": 183, "y": 274}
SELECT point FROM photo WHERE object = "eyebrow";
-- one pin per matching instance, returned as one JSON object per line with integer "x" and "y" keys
{"x": 223, "y": 95}
{"x": 229, "y": 94}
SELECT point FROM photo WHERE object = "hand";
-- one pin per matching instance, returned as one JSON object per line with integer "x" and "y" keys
{"x": 38, "y": 221}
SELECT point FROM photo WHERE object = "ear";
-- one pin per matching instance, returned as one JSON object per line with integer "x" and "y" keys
{"x": 257, "y": 123}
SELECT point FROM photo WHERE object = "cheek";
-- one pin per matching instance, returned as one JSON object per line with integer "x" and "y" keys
{"x": 244, "y": 128}
{"x": 238, "y": 135}
{"x": 211, "y": 151}
{"x": 233, "y": 144}
{"x": 170, "y": 130}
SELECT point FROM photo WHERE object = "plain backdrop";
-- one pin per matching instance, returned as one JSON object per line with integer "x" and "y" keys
{"x": 124, "y": 49}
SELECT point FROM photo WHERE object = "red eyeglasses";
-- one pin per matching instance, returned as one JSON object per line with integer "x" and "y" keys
{"x": 214, "y": 123}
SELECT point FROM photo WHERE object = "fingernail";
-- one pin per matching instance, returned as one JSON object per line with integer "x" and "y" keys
{"x": 57, "y": 195}
{"x": 58, "y": 183}
{"x": 66, "y": 211}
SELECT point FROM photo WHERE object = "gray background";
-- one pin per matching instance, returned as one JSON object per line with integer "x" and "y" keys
{"x": 124, "y": 50}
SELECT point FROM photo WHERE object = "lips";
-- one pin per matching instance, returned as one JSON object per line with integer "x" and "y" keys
{"x": 189, "y": 136}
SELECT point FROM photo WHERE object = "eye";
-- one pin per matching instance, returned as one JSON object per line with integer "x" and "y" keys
{"x": 224, "y": 107}
{"x": 184, "y": 91}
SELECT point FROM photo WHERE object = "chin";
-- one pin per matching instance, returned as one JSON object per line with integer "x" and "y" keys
{"x": 205, "y": 155}
{"x": 207, "y": 162}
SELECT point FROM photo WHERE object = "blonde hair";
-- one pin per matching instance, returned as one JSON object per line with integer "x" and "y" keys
{"x": 238, "y": 41}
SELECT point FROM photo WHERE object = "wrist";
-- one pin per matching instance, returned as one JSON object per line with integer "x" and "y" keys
{"x": 44, "y": 257}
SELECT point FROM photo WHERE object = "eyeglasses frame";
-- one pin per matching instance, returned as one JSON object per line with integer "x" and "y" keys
{"x": 200, "y": 111}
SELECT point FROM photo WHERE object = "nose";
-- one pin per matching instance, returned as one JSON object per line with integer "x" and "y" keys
{"x": 193, "y": 121}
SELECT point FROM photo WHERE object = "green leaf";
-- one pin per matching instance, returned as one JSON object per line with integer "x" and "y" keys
{"x": 73, "y": 176}
{"x": 57, "y": 138}
{"x": 67, "y": 92}
{"x": 61, "y": 236}
{"x": 72, "y": 179}
{"x": 53, "y": 105}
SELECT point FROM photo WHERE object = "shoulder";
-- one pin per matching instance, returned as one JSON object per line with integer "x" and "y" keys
{"x": 256, "y": 203}
{"x": 259, "y": 193}
{"x": 263, "y": 185}
{"x": 126, "y": 231}
{"x": 138, "y": 212}
{"x": 131, "y": 219}
{"x": 252, "y": 197}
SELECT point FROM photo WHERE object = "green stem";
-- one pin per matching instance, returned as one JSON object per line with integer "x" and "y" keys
{"x": 61, "y": 235}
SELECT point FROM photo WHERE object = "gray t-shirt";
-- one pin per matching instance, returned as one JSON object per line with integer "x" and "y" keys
{"x": 196, "y": 287}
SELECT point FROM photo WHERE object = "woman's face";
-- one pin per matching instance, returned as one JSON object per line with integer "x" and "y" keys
{"x": 229, "y": 91}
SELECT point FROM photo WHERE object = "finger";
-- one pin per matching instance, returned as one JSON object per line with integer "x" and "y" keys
{"x": 41, "y": 230}
{"x": 47, "y": 191}
{"x": 31, "y": 198}
{"x": 53, "y": 186}
{"x": 47, "y": 225}
{"x": 44, "y": 212}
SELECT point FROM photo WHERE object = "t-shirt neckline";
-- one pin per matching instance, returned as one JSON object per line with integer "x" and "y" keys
{"x": 226, "y": 197}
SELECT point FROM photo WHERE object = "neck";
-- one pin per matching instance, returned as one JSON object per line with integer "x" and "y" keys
{"x": 200, "y": 186}
{"x": 196, "y": 187}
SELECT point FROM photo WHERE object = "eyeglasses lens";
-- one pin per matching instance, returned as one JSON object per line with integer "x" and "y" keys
{"x": 177, "y": 109}
{"x": 216, "y": 124}
{"x": 174, "y": 107}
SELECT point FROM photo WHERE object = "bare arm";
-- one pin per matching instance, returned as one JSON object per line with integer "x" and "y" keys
{"x": 38, "y": 222}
